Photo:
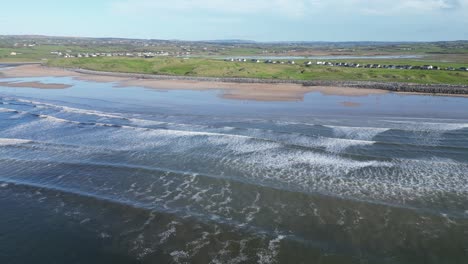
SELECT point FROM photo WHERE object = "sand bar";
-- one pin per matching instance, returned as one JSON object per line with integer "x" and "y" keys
{"x": 35, "y": 85}
{"x": 230, "y": 90}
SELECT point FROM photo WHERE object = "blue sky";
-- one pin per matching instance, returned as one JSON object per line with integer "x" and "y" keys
{"x": 262, "y": 20}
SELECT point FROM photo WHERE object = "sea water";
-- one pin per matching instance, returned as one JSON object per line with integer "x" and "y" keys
{"x": 99, "y": 174}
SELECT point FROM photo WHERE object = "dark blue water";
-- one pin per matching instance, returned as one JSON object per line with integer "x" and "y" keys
{"x": 97, "y": 174}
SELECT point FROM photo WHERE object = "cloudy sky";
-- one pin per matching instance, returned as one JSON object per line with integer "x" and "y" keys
{"x": 262, "y": 20}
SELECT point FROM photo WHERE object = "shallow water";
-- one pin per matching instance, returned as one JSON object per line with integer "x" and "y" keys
{"x": 96, "y": 174}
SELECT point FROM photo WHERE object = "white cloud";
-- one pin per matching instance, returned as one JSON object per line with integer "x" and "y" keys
{"x": 294, "y": 8}
{"x": 288, "y": 8}
{"x": 385, "y": 7}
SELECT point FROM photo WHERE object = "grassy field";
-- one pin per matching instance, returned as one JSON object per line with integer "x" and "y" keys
{"x": 218, "y": 68}
{"x": 42, "y": 52}
{"x": 207, "y": 62}
{"x": 42, "y": 46}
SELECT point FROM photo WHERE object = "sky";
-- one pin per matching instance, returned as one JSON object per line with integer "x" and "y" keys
{"x": 260, "y": 20}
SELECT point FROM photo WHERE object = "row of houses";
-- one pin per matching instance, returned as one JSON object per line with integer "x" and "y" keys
{"x": 69, "y": 54}
{"x": 379, "y": 66}
{"x": 353, "y": 65}
{"x": 25, "y": 45}
{"x": 280, "y": 62}
{"x": 259, "y": 61}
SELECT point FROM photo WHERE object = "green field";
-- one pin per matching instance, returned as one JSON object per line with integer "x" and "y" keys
{"x": 43, "y": 52}
{"x": 218, "y": 68}
{"x": 43, "y": 45}
{"x": 205, "y": 58}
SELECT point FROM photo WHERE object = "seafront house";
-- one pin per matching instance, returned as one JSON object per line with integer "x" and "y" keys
{"x": 427, "y": 67}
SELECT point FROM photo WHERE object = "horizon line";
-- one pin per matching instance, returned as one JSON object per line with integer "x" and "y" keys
{"x": 236, "y": 40}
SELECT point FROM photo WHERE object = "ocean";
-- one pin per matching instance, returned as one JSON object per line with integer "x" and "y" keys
{"x": 102, "y": 174}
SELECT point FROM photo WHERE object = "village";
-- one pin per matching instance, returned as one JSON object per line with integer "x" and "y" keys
{"x": 147, "y": 55}
{"x": 351, "y": 65}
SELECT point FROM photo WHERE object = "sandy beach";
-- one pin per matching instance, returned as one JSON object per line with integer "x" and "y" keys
{"x": 236, "y": 91}
{"x": 255, "y": 90}
{"x": 35, "y": 85}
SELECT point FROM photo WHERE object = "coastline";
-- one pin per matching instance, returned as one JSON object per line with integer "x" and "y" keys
{"x": 388, "y": 86}
{"x": 35, "y": 85}
{"x": 232, "y": 88}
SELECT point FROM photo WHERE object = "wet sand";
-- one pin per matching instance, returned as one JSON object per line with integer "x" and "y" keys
{"x": 236, "y": 91}
{"x": 250, "y": 91}
{"x": 35, "y": 85}
{"x": 350, "y": 104}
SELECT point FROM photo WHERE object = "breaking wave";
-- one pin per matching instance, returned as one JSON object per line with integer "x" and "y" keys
{"x": 12, "y": 141}
{"x": 235, "y": 189}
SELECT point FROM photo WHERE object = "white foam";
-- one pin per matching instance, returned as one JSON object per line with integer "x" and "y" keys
{"x": 358, "y": 133}
{"x": 36, "y": 129}
{"x": 268, "y": 256}
{"x": 339, "y": 145}
{"x": 330, "y": 144}
{"x": 12, "y": 141}
{"x": 104, "y": 235}
{"x": 71, "y": 109}
{"x": 56, "y": 119}
{"x": 86, "y": 112}
{"x": 428, "y": 126}
{"x": 145, "y": 122}
{"x": 263, "y": 155}
{"x": 242, "y": 144}
{"x": 435, "y": 174}
{"x": 164, "y": 236}
{"x": 7, "y": 110}
{"x": 289, "y": 159}
{"x": 235, "y": 142}
{"x": 180, "y": 256}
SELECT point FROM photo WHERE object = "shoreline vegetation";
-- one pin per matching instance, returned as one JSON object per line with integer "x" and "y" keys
{"x": 216, "y": 68}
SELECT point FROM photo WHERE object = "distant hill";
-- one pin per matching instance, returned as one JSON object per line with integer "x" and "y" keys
{"x": 229, "y": 41}
{"x": 232, "y": 41}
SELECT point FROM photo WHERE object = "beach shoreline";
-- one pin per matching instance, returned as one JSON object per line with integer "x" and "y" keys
{"x": 232, "y": 88}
